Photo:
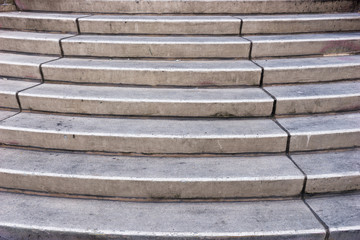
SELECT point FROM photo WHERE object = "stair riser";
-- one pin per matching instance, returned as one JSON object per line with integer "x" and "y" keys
{"x": 198, "y": 6}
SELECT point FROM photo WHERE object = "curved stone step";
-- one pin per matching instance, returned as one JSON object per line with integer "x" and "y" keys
{"x": 143, "y": 135}
{"x": 167, "y": 73}
{"x": 35, "y": 21}
{"x": 303, "y": 70}
{"x": 304, "y": 44}
{"x": 8, "y": 90}
{"x": 189, "y": 6}
{"x": 331, "y": 171}
{"x": 156, "y": 47}
{"x": 316, "y": 98}
{"x": 31, "y": 217}
{"x": 147, "y": 101}
{"x": 323, "y": 132}
{"x": 300, "y": 23}
{"x": 31, "y": 42}
{"x": 135, "y": 24}
{"x": 22, "y": 66}
{"x": 341, "y": 214}
{"x": 150, "y": 177}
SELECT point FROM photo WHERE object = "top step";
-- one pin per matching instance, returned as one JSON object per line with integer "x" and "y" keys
{"x": 190, "y": 6}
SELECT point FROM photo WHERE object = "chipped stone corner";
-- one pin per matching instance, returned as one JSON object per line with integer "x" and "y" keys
{"x": 7, "y": 5}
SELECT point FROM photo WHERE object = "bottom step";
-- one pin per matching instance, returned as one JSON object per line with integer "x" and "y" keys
{"x": 35, "y": 217}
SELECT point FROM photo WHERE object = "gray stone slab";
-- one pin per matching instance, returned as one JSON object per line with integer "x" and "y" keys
{"x": 305, "y": 44}
{"x": 179, "y": 73}
{"x": 135, "y": 24}
{"x": 147, "y": 101}
{"x": 323, "y": 132}
{"x": 190, "y": 6}
{"x": 59, "y": 218}
{"x": 330, "y": 172}
{"x": 8, "y": 90}
{"x": 296, "y": 70}
{"x": 341, "y": 214}
{"x": 23, "y": 66}
{"x": 6, "y": 114}
{"x": 316, "y": 98}
{"x": 52, "y": 22}
{"x": 30, "y": 42}
{"x": 150, "y": 177}
{"x": 300, "y": 23}
{"x": 156, "y": 47}
{"x": 143, "y": 135}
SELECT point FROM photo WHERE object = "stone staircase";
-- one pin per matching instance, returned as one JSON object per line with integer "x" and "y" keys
{"x": 192, "y": 119}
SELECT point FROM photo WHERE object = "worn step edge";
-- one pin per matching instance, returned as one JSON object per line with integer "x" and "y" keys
{"x": 304, "y": 44}
{"x": 316, "y": 98}
{"x": 143, "y": 135}
{"x": 156, "y": 47}
{"x": 336, "y": 171}
{"x": 23, "y": 216}
{"x": 323, "y": 132}
{"x": 300, "y": 23}
{"x": 147, "y": 101}
{"x": 304, "y": 70}
{"x": 150, "y": 177}
{"x": 165, "y": 73}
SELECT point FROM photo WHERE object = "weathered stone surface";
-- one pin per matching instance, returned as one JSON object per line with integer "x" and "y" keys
{"x": 299, "y": 70}
{"x": 134, "y": 24}
{"x": 6, "y": 114}
{"x": 148, "y": 101}
{"x": 323, "y": 132}
{"x": 59, "y": 218}
{"x": 156, "y": 47}
{"x": 316, "y": 98}
{"x": 341, "y": 214}
{"x": 167, "y": 73}
{"x": 330, "y": 172}
{"x": 150, "y": 177}
{"x": 143, "y": 135}
{"x": 8, "y": 90}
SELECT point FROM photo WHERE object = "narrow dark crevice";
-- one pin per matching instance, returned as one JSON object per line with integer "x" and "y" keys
{"x": 327, "y": 235}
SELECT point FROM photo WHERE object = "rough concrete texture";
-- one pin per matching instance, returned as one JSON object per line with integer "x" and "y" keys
{"x": 7, "y": 5}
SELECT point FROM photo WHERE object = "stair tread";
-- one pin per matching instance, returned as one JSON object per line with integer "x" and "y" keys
{"x": 181, "y": 73}
{"x": 37, "y": 21}
{"x": 313, "y": 132}
{"x": 31, "y": 42}
{"x": 296, "y": 70}
{"x": 145, "y": 135}
{"x": 286, "y": 219}
{"x": 299, "y": 23}
{"x": 341, "y": 214}
{"x": 147, "y": 101}
{"x": 328, "y": 172}
{"x": 305, "y": 44}
{"x": 155, "y": 177}
{"x": 159, "y": 47}
{"x": 8, "y": 90}
{"x": 20, "y": 65}
{"x": 145, "y": 24}
{"x": 315, "y": 98}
